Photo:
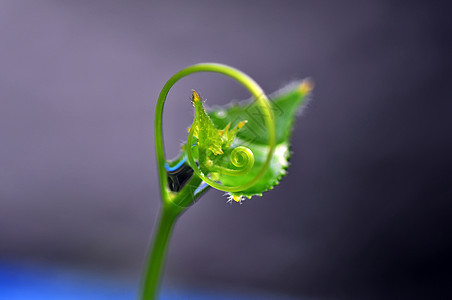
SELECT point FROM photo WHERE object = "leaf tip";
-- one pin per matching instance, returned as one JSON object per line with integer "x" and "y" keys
{"x": 195, "y": 97}
{"x": 306, "y": 86}
{"x": 241, "y": 124}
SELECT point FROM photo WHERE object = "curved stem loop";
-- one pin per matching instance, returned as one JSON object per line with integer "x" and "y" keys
{"x": 262, "y": 102}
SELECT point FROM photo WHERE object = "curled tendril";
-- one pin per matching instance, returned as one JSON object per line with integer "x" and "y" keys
{"x": 241, "y": 157}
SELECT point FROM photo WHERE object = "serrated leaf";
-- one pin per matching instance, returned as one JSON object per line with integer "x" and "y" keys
{"x": 214, "y": 148}
{"x": 285, "y": 104}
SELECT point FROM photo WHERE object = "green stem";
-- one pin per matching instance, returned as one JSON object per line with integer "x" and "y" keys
{"x": 169, "y": 212}
{"x": 157, "y": 254}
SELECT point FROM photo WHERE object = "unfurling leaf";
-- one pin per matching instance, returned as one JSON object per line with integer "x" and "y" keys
{"x": 235, "y": 156}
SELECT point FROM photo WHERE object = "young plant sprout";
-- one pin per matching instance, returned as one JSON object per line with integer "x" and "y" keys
{"x": 242, "y": 149}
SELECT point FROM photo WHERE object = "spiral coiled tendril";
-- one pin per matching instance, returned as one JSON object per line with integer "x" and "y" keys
{"x": 241, "y": 157}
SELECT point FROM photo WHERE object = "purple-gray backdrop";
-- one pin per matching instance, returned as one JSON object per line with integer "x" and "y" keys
{"x": 365, "y": 211}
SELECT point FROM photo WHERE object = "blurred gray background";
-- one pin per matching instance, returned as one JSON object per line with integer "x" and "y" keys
{"x": 365, "y": 211}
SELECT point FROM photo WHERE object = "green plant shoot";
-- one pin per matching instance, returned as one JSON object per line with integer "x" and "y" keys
{"x": 242, "y": 149}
